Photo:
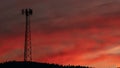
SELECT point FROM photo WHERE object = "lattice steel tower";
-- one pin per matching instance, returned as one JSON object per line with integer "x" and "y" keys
{"x": 27, "y": 46}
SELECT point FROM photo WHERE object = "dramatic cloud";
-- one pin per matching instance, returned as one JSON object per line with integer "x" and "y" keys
{"x": 76, "y": 32}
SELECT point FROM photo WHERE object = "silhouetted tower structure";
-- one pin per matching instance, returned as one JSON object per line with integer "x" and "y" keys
{"x": 27, "y": 46}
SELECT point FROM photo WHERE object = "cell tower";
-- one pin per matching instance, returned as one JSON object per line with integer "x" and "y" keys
{"x": 27, "y": 46}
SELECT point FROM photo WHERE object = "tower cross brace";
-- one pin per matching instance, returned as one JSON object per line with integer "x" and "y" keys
{"x": 27, "y": 45}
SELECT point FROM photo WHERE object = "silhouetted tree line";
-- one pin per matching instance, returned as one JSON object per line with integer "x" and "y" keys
{"x": 15, "y": 64}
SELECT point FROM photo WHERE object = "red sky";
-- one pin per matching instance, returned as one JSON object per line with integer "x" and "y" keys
{"x": 76, "y": 32}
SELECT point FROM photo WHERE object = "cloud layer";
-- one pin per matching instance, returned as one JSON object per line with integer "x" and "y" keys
{"x": 77, "y": 32}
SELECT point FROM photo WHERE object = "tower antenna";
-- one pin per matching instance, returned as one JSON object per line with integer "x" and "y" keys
{"x": 27, "y": 45}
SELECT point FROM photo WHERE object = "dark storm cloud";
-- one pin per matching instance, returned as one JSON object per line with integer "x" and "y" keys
{"x": 63, "y": 14}
{"x": 55, "y": 14}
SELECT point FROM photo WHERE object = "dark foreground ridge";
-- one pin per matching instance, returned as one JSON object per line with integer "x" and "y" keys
{"x": 15, "y": 64}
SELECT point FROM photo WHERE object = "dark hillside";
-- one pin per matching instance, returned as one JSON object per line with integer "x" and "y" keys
{"x": 35, "y": 65}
